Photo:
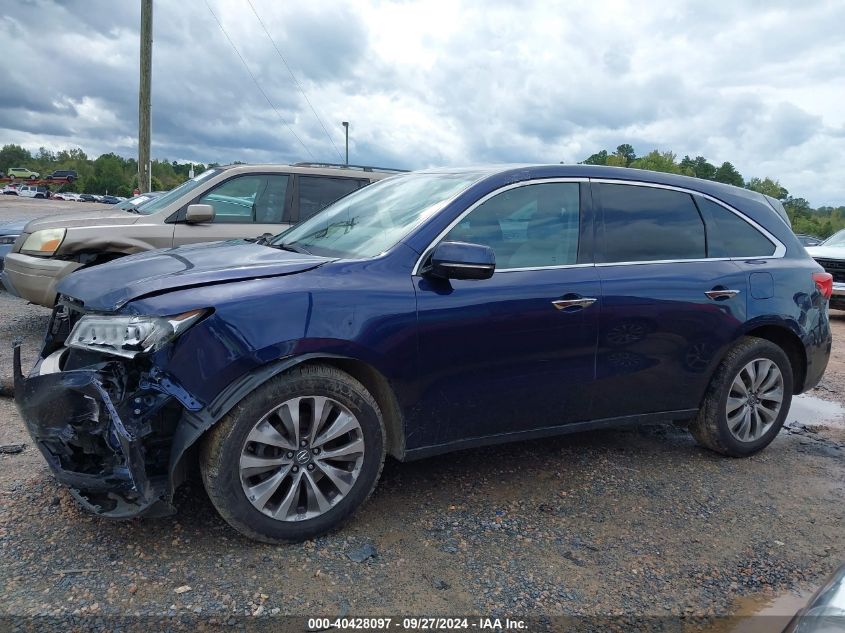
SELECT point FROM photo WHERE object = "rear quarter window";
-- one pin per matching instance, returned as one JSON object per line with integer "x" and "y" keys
{"x": 728, "y": 235}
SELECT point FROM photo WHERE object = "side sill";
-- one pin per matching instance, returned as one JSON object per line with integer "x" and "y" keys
{"x": 550, "y": 431}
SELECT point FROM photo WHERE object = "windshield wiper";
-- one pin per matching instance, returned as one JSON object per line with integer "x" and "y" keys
{"x": 290, "y": 247}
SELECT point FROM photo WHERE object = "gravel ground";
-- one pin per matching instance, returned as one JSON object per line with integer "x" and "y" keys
{"x": 17, "y": 208}
{"x": 604, "y": 523}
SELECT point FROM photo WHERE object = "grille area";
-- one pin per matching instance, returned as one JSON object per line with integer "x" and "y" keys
{"x": 835, "y": 267}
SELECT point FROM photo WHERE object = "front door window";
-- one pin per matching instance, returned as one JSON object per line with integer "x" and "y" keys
{"x": 527, "y": 227}
{"x": 258, "y": 199}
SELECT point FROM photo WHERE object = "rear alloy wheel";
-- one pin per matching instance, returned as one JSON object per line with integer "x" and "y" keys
{"x": 754, "y": 400}
{"x": 747, "y": 401}
{"x": 296, "y": 457}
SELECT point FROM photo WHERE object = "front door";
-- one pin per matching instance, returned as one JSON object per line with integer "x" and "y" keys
{"x": 515, "y": 352}
{"x": 244, "y": 207}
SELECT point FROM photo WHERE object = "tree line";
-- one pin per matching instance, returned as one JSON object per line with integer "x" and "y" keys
{"x": 110, "y": 173}
{"x": 821, "y": 221}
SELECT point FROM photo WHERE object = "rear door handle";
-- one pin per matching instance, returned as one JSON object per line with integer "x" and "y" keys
{"x": 570, "y": 305}
{"x": 718, "y": 294}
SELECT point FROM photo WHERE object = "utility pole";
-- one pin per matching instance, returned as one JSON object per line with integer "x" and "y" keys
{"x": 346, "y": 128}
{"x": 144, "y": 175}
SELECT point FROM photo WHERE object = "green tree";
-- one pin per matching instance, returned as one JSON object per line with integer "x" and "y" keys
{"x": 656, "y": 160}
{"x": 14, "y": 156}
{"x": 767, "y": 186}
{"x": 699, "y": 167}
{"x": 108, "y": 174}
{"x": 626, "y": 152}
{"x": 599, "y": 158}
{"x": 728, "y": 174}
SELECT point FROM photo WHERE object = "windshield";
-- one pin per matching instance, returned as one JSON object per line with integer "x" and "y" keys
{"x": 369, "y": 221}
{"x": 837, "y": 239}
{"x": 157, "y": 204}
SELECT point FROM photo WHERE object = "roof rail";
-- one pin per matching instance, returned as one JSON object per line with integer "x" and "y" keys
{"x": 359, "y": 167}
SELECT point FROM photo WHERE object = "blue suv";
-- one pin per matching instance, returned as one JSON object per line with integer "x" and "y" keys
{"x": 428, "y": 312}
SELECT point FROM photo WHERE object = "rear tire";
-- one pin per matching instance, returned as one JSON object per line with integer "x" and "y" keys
{"x": 310, "y": 496}
{"x": 747, "y": 400}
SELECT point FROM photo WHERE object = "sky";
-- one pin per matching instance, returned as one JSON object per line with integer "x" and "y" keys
{"x": 757, "y": 83}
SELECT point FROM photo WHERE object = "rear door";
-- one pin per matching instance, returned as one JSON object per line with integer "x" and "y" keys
{"x": 670, "y": 307}
{"x": 245, "y": 206}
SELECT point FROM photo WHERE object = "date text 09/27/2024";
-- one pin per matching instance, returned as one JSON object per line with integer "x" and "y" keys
{"x": 416, "y": 623}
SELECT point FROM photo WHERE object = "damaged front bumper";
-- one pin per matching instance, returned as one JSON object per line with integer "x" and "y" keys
{"x": 105, "y": 430}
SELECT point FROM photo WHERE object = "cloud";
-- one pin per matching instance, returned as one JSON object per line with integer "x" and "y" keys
{"x": 440, "y": 82}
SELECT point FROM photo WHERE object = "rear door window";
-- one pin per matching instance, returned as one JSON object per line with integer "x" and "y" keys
{"x": 728, "y": 235}
{"x": 649, "y": 224}
{"x": 318, "y": 192}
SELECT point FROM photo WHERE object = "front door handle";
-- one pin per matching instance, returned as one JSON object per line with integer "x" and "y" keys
{"x": 717, "y": 294}
{"x": 573, "y": 304}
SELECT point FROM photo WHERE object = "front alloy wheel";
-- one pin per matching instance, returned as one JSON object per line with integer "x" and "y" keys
{"x": 302, "y": 458}
{"x": 296, "y": 457}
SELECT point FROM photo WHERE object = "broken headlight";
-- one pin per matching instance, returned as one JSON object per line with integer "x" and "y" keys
{"x": 128, "y": 336}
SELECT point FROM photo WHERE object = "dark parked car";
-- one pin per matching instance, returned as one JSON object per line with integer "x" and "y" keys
{"x": 88, "y": 197}
{"x": 63, "y": 174}
{"x": 9, "y": 232}
{"x": 110, "y": 199}
{"x": 425, "y": 313}
{"x": 808, "y": 240}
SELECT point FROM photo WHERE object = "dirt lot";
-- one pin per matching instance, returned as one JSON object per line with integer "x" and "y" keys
{"x": 17, "y": 208}
{"x": 604, "y": 523}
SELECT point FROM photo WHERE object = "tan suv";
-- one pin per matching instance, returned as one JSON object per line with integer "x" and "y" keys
{"x": 235, "y": 201}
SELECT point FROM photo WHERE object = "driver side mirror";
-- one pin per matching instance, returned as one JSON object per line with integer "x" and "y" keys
{"x": 199, "y": 213}
{"x": 461, "y": 260}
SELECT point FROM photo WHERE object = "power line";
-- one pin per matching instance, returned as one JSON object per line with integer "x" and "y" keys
{"x": 255, "y": 81}
{"x": 292, "y": 76}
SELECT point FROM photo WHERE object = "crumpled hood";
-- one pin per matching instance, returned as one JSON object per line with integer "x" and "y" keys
{"x": 826, "y": 252}
{"x": 109, "y": 217}
{"x": 109, "y": 286}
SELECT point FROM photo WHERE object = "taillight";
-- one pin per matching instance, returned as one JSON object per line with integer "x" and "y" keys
{"x": 824, "y": 282}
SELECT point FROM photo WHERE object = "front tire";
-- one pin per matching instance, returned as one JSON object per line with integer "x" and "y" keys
{"x": 747, "y": 401}
{"x": 296, "y": 457}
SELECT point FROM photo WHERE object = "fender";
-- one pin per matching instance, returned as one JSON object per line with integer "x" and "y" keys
{"x": 193, "y": 424}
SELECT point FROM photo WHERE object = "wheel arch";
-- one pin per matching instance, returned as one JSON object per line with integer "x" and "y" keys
{"x": 192, "y": 426}
{"x": 785, "y": 338}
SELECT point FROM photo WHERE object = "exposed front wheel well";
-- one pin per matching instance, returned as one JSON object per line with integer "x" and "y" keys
{"x": 380, "y": 389}
{"x": 789, "y": 342}
{"x": 94, "y": 259}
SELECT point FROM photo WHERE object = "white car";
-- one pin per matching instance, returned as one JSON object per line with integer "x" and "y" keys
{"x": 66, "y": 195}
{"x": 33, "y": 191}
{"x": 830, "y": 255}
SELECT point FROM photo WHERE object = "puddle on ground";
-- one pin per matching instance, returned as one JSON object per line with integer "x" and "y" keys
{"x": 761, "y": 614}
{"x": 812, "y": 411}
